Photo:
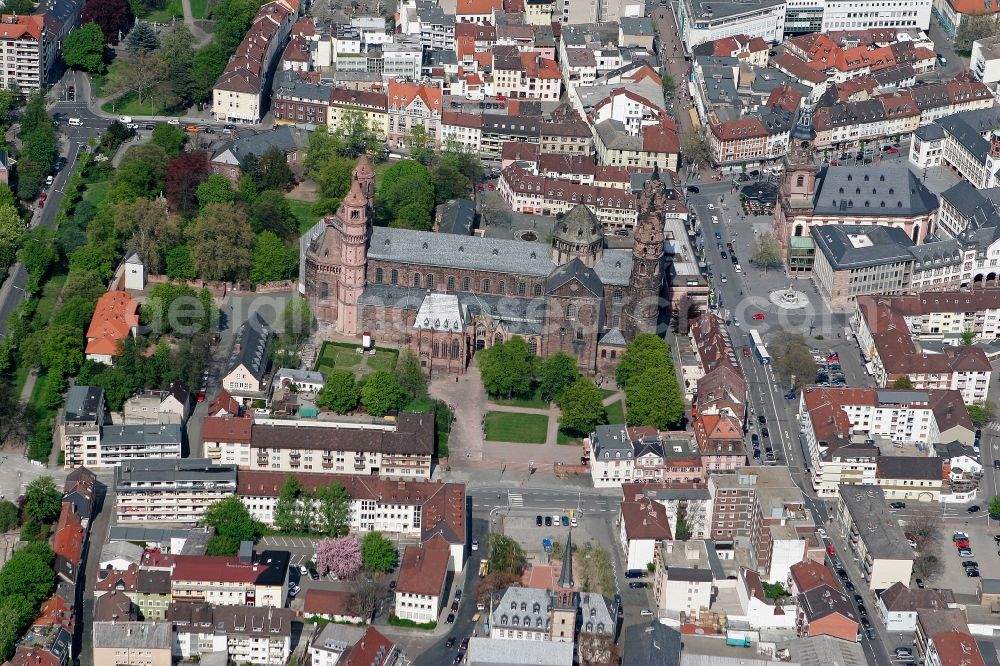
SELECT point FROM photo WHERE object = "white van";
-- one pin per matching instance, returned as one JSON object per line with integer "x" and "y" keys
{"x": 75, "y": 122}
{"x": 126, "y": 119}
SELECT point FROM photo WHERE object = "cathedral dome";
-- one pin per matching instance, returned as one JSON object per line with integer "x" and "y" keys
{"x": 579, "y": 227}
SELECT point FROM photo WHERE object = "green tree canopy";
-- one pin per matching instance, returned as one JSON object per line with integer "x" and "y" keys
{"x": 291, "y": 511}
{"x": 409, "y": 375}
{"x": 378, "y": 554}
{"x": 84, "y": 49}
{"x": 341, "y": 392}
{"x": 215, "y": 190}
{"x": 8, "y": 516}
{"x": 233, "y": 524}
{"x": 582, "y": 408}
{"x": 506, "y": 555}
{"x": 272, "y": 260}
{"x": 220, "y": 242}
{"x": 507, "y": 368}
{"x": 270, "y": 211}
{"x": 766, "y": 251}
{"x": 42, "y": 500}
{"x": 381, "y": 393}
{"x": 556, "y": 373}
{"x": 28, "y": 574}
{"x": 647, "y": 350}
{"x": 903, "y": 383}
{"x": 654, "y": 398}
{"x": 792, "y": 360}
{"x": 170, "y": 138}
{"x": 982, "y": 413}
{"x": 11, "y": 234}
{"x": 406, "y": 184}
{"x": 333, "y": 509}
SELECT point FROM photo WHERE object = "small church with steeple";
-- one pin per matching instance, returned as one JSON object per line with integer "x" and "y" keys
{"x": 448, "y": 296}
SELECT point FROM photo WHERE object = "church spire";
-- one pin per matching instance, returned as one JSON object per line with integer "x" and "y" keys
{"x": 566, "y": 577}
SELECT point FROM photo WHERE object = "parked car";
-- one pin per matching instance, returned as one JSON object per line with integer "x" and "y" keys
{"x": 450, "y": 642}
{"x": 960, "y": 536}
{"x": 970, "y": 563}
{"x": 790, "y": 395}
{"x": 903, "y": 652}
{"x": 451, "y": 618}
{"x": 548, "y": 521}
{"x": 637, "y": 585}
{"x": 897, "y": 505}
{"x": 765, "y": 433}
{"x": 538, "y": 521}
{"x": 314, "y": 574}
{"x": 761, "y": 419}
{"x": 973, "y": 509}
{"x": 475, "y": 545}
{"x": 758, "y": 317}
{"x": 693, "y": 189}
{"x": 565, "y": 521}
{"x": 965, "y": 552}
{"x": 972, "y": 573}
{"x": 919, "y": 582}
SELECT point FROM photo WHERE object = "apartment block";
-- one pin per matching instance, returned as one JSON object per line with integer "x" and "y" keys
{"x": 418, "y": 509}
{"x": 170, "y": 491}
{"x": 236, "y": 634}
{"x": 250, "y": 579}
{"x": 401, "y": 449}
{"x": 874, "y": 536}
{"x": 883, "y": 329}
{"x": 29, "y": 48}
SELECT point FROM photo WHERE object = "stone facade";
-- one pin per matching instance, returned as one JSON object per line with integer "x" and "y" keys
{"x": 447, "y": 296}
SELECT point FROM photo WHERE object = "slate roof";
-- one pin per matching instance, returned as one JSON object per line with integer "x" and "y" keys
{"x": 83, "y": 404}
{"x": 931, "y": 132}
{"x": 652, "y": 644}
{"x": 885, "y": 191}
{"x": 877, "y": 245}
{"x": 615, "y": 268}
{"x": 636, "y": 25}
{"x": 868, "y": 509}
{"x": 117, "y": 435}
{"x": 923, "y": 468}
{"x": 285, "y": 138}
{"x": 575, "y": 270}
{"x": 461, "y": 252}
{"x": 250, "y": 350}
{"x": 457, "y": 216}
{"x": 187, "y": 470}
{"x": 967, "y": 129}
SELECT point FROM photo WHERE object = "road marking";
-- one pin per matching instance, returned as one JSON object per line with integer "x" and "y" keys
{"x": 515, "y": 500}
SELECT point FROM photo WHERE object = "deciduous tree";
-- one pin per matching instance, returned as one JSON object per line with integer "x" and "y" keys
{"x": 216, "y": 189}
{"x": 220, "y": 242}
{"x": 506, "y": 555}
{"x": 581, "y": 407}
{"x": 150, "y": 230}
{"x": 341, "y": 556}
{"x": 233, "y": 524}
{"x": 556, "y": 373}
{"x": 766, "y": 251}
{"x": 42, "y": 500}
{"x": 982, "y": 412}
{"x": 341, "y": 392}
{"x": 11, "y": 234}
{"x": 84, "y": 49}
{"x": 507, "y": 368}
{"x": 381, "y": 394}
{"x": 146, "y": 74}
{"x": 140, "y": 174}
{"x": 270, "y": 212}
{"x": 406, "y": 184}
{"x": 333, "y": 509}
{"x": 646, "y": 351}
{"x": 272, "y": 260}
{"x": 378, "y": 553}
{"x": 355, "y": 136}
{"x": 694, "y": 144}
{"x": 113, "y": 17}
{"x": 8, "y": 516}
{"x": 291, "y": 511}
{"x": 903, "y": 383}
{"x": 654, "y": 398}
{"x": 409, "y": 375}
{"x": 792, "y": 360}
{"x": 185, "y": 174}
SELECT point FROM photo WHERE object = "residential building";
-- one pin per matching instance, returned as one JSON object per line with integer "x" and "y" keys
{"x": 400, "y": 449}
{"x": 762, "y": 508}
{"x": 244, "y": 375}
{"x": 826, "y": 611}
{"x": 899, "y": 605}
{"x": 683, "y": 578}
{"x": 845, "y": 14}
{"x": 807, "y": 575}
{"x": 128, "y": 443}
{"x": 116, "y": 317}
{"x": 420, "y": 509}
{"x": 300, "y": 103}
{"x": 985, "y": 61}
{"x": 651, "y": 146}
{"x": 525, "y": 75}
{"x": 31, "y": 44}
{"x": 462, "y": 129}
{"x": 705, "y": 22}
{"x": 170, "y": 491}
{"x": 874, "y": 536}
{"x": 411, "y": 105}
{"x": 374, "y": 106}
{"x": 333, "y": 642}
{"x": 840, "y": 427}
{"x": 917, "y": 478}
{"x": 970, "y": 147}
{"x": 420, "y": 588}
{"x": 82, "y": 418}
{"x": 891, "y": 352}
{"x": 171, "y": 406}
{"x": 152, "y": 593}
{"x": 229, "y": 157}
{"x": 954, "y": 647}
{"x": 236, "y": 634}
{"x": 132, "y": 643}
{"x": 259, "y": 579}
{"x": 240, "y": 93}
{"x": 229, "y": 433}
{"x": 694, "y": 501}
{"x": 651, "y": 644}
{"x": 643, "y": 524}
{"x": 950, "y": 14}
{"x": 115, "y": 606}
{"x": 720, "y": 441}
{"x": 331, "y": 605}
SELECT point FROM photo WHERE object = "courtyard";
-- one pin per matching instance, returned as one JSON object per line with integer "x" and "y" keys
{"x": 345, "y": 356}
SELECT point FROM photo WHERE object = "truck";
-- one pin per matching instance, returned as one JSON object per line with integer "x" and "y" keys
{"x": 484, "y": 568}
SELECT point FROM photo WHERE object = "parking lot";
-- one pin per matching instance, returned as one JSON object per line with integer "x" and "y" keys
{"x": 984, "y": 551}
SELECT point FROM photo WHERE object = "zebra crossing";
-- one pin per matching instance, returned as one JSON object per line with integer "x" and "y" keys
{"x": 993, "y": 425}
{"x": 515, "y": 500}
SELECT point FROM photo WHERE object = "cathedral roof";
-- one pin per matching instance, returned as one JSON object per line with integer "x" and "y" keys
{"x": 363, "y": 169}
{"x": 355, "y": 198}
{"x": 579, "y": 226}
{"x": 615, "y": 267}
{"x": 425, "y": 248}
{"x": 575, "y": 270}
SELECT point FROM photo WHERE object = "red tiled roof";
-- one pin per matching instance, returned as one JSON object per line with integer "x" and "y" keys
{"x": 516, "y": 150}
{"x": 224, "y": 402}
{"x": 661, "y": 138}
{"x": 645, "y": 519}
{"x": 957, "y": 648}
{"x": 70, "y": 535}
{"x": 809, "y": 574}
{"x": 115, "y": 316}
{"x": 744, "y": 128}
{"x": 216, "y": 569}
{"x": 117, "y": 579}
{"x": 401, "y": 95}
{"x": 328, "y": 602}
{"x": 459, "y": 119}
{"x": 423, "y": 568}
{"x": 373, "y": 649}
{"x": 14, "y": 27}
{"x": 476, "y": 7}
{"x": 34, "y": 657}
{"x": 359, "y": 98}
{"x": 227, "y": 429}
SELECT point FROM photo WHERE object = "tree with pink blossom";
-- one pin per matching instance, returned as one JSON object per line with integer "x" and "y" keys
{"x": 341, "y": 556}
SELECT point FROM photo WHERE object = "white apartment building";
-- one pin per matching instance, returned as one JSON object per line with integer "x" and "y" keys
{"x": 410, "y": 509}
{"x": 985, "y": 62}
{"x": 400, "y": 449}
{"x": 243, "y": 634}
{"x": 420, "y": 588}
{"x": 705, "y": 21}
{"x": 874, "y": 535}
{"x": 683, "y": 579}
{"x": 864, "y": 15}
{"x": 29, "y": 49}
{"x": 170, "y": 491}
{"x": 464, "y": 130}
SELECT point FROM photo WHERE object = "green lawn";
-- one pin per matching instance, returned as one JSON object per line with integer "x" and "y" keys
{"x": 50, "y": 292}
{"x": 382, "y": 360}
{"x": 513, "y": 427}
{"x": 170, "y": 10}
{"x": 96, "y": 192}
{"x": 534, "y": 400}
{"x": 616, "y": 412}
{"x": 302, "y": 210}
{"x": 565, "y": 438}
{"x": 128, "y": 105}
{"x": 19, "y": 379}
{"x": 608, "y": 392}
{"x": 199, "y": 8}
{"x": 36, "y": 394}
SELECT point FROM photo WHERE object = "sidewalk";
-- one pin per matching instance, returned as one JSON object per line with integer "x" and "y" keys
{"x": 200, "y": 36}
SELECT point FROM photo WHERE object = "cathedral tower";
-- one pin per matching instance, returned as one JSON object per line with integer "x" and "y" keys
{"x": 355, "y": 219}
{"x": 645, "y": 290}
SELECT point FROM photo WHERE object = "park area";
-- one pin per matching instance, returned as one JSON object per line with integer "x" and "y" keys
{"x": 515, "y": 427}
{"x": 345, "y": 356}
